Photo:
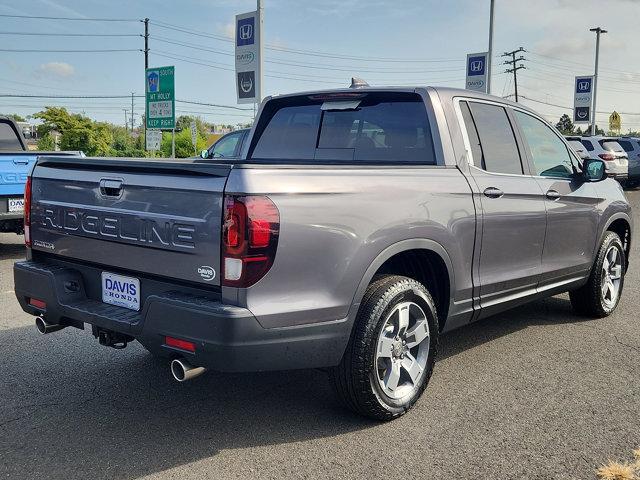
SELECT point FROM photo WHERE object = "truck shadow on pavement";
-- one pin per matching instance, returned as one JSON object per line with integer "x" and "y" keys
{"x": 72, "y": 409}
{"x": 13, "y": 251}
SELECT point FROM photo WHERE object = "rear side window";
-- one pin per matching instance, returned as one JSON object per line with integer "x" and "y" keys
{"x": 611, "y": 146}
{"x": 626, "y": 145}
{"x": 588, "y": 145}
{"x": 498, "y": 143}
{"x": 384, "y": 128}
{"x": 8, "y": 138}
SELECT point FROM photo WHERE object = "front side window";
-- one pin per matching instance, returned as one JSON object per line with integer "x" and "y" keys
{"x": 377, "y": 128}
{"x": 498, "y": 143}
{"x": 550, "y": 156}
{"x": 226, "y": 146}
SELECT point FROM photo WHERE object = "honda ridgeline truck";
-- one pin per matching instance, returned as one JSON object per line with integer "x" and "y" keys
{"x": 357, "y": 227}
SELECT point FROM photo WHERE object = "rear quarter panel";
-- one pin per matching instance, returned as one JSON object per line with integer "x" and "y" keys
{"x": 334, "y": 223}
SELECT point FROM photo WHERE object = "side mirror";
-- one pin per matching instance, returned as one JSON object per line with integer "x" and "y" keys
{"x": 204, "y": 154}
{"x": 594, "y": 170}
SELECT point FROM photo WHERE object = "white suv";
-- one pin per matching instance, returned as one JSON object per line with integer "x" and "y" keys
{"x": 607, "y": 149}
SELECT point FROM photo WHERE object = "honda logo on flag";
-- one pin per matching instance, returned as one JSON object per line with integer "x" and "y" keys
{"x": 476, "y": 66}
{"x": 245, "y": 28}
{"x": 246, "y": 31}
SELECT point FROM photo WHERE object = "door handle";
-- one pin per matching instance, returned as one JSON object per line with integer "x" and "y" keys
{"x": 493, "y": 192}
{"x": 553, "y": 195}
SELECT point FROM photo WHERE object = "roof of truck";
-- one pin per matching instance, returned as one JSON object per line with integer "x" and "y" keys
{"x": 443, "y": 92}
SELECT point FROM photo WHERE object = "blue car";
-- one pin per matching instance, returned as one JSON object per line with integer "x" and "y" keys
{"x": 15, "y": 164}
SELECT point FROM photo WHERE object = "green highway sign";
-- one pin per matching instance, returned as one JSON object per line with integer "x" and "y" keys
{"x": 161, "y": 100}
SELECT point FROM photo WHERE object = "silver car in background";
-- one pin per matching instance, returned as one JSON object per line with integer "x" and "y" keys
{"x": 607, "y": 149}
{"x": 631, "y": 145}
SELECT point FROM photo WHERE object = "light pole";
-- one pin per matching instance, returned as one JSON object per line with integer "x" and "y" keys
{"x": 489, "y": 55}
{"x": 598, "y": 31}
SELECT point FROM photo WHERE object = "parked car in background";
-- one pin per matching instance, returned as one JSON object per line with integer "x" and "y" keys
{"x": 228, "y": 146}
{"x": 357, "y": 226}
{"x": 631, "y": 145}
{"x": 609, "y": 150}
{"x": 578, "y": 147}
{"x": 15, "y": 164}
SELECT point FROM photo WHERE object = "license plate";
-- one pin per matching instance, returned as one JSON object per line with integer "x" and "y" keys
{"x": 121, "y": 291}
{"x": 16, "y": 204}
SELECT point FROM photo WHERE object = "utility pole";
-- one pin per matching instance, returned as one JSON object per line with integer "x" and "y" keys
{"x": 490, "y": 54}
{"x": 132, "y": 94}
{"x": 146, "y": 44}
{"x": 146, "y": 65}
{"x": 126, "y": 120}
{"x": 598, "y": 31}
{"x": 514, "y": 66}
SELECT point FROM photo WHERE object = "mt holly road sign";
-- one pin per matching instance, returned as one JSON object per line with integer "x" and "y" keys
{"x": 160, "y": 99}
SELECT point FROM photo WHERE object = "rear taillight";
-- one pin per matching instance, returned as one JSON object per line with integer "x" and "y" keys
{"x": 250, "y": 230}
{"x": 27, "y": 212}
{"x": 607, "y": 156}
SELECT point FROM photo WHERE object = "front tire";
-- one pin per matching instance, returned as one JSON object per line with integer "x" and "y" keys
{"x": 391, "y": 353}
{"x": 601, "y": 294}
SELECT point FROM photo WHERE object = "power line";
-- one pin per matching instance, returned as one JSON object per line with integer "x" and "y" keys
{"x": 72, "y": 34}
{"x": 106, "y": 50}
{"x": 303, "y": 52}
{"x": 38, "y": 17}
{"x": 569, "y": 108}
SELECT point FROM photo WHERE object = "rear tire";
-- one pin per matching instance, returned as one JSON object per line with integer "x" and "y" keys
{"x": 391, "y": 353}
{"x": 601, "y": 294}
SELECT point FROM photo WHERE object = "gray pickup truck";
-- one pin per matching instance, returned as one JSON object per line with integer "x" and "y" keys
{"x": 358, "y": 226}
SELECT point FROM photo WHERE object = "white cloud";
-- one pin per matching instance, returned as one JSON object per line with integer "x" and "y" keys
{"x": 56, "y": 69}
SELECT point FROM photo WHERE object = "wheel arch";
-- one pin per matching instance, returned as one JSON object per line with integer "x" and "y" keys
{"x": 621, "y": 224}
{"x": 425, "y": 248}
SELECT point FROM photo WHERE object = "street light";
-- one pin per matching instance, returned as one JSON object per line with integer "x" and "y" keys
{"x": 598, "y": 31}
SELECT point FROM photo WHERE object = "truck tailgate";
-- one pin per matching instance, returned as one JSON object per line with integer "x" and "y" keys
{"x": 153, "y": 217}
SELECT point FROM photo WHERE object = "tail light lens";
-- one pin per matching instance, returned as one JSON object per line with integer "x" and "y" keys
{"x": 27, "y": 213}
{"x": 607, "y": 156}
{"x": 249, "y": 239}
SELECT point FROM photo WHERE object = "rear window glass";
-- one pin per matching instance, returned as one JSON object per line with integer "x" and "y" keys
{"x": 611, "y": 146}
{"x": 587, "y": 144}
{"x": 378, "y": 128}
{"x": 8, "y": 138}
{"x": 576, "y": 145}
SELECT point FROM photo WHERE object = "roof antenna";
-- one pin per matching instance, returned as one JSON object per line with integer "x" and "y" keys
{"x": 357, "y": 82}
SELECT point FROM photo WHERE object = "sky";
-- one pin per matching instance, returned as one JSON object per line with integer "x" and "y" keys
{"x": 315, "y": 45}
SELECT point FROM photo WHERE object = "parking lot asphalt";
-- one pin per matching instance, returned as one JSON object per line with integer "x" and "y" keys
{"x": 536, "y": 392}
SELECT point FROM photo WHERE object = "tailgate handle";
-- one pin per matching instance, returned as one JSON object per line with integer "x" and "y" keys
{"x": 20, "y": 161}
{"x": 110, "y": 188}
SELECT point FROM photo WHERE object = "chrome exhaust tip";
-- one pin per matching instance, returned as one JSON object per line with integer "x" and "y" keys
{"x": 45, "y": 327}
{"x": 183, "y": 370}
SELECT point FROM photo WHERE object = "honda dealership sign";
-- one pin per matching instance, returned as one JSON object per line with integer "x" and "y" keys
{"x": 249, "y": 57}
{"x": 583, "y": 96}
{"x": 477, "y": 72}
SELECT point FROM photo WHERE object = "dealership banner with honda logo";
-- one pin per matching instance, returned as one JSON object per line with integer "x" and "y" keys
{"x": 477, "y": 72}
{"x": 583, "y": 95}
{"x": 249, "y": 57}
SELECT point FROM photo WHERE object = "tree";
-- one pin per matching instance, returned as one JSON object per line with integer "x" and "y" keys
{"x": 16, "y": 118}
{"x": 47, "y": 143}
{"x": 184, "y": 146}
{"x": 565, "y": 125}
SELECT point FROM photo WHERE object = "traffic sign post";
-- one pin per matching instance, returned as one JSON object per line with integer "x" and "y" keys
{"x": 477, "y": 72}
{"x": 154, "y": 139}
{"x": 194, "y": 137}
{"x": 160, "y": 111}
{"x": 583, "y": 96}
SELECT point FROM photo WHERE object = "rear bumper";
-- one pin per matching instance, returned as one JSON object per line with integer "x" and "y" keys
{"x": 227, "y": 338}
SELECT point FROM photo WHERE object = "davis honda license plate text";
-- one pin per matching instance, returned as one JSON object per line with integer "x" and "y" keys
{"x": 121, "y": 291}
{"x": 16, "y": 205}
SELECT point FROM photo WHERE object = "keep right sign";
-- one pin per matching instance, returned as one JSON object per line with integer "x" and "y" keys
{"x": 583, "y": 95}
